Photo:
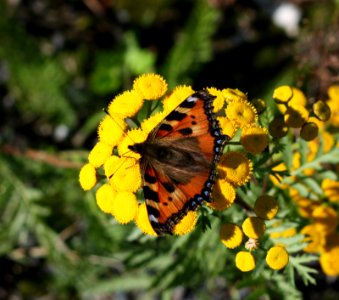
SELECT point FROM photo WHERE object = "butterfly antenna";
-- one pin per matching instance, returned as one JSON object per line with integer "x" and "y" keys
{"x": 123, "y": 130}
{"x": 125, "y": 157}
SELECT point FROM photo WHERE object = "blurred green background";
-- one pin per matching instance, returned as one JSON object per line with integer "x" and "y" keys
{"x": 61, "y": 62}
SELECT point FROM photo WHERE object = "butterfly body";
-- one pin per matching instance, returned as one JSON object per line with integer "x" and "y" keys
{"x": 178, "y": 161}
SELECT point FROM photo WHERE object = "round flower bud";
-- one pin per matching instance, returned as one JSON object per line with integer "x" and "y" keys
{"x": 277, "y": 257}
{"x": 278, "y": 128}
{"x": 266, "y": 207}
{"x": 322, "y": 111}
{"x": 309, "y": 131}
{"x": 253, "y": 227}
{"x": 244, "y": 261}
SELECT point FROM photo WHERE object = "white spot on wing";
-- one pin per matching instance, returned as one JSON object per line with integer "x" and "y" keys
{"x": 191, "y": 99}
{"x": 152, "y": 218}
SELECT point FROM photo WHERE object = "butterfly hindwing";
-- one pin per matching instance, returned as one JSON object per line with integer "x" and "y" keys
{"x": 178, "y": 161}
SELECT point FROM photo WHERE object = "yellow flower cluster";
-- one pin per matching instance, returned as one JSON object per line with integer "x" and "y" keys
{"x": 292, "y": 103}
{"x": 231, "y": 235}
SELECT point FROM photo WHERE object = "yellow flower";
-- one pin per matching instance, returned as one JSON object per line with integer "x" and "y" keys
{"x": 314, "y": 237}
{"x": 259, "y": 105}
{"x": 227, "y": 126}
{"x": 309, "y": 131}
{"x": 150, "y": 123}
{"x": 127, "y": 176}
{"x": 322, "y": 111}
{"x": 219, "y": 101}
{"x": 325, "y": 218}
{"x": 150, "y": 86}
{"x": 132, "y": 137}
{"x": 295, "y": 115}
{"x": 87, "y": 177}
{"x": 111, "y": 131}
{"x": 187, "y": 224}
{"x": 223, "y": 195}
{"x": 112, "y": 164}
{"x": 244, "y": 261}
{"x": 241, "y": 113}
{"x": 277, "y": 257}
{"x": 283, "y": 94}
{"x": 298, "y": 98}
{"x": 105, "y": 196}
{"x": 333, "y": 92}
{"x": 266, "y": 207}
{"x": 329, "y": 261}
{"x": 278, "y": 128}
{"x": 235, "y": 167}
{"x": 99, "y": 154}
{"x": 233, "y": 95}
{"x": 305, "y": 206}
{"x": 231, "y": 235}
{"x": 277, "y": 178}
{"x": 254, "y": 139}
{"x": 125, "y": 105}
{"x": 253, "y": 227}
{"x": 124, "y": 207}
{"x": 179, "y": 94}
{"x": 331, "y": 189}
{"x": 142, "y": 220}
{"x": 334, "y": 106}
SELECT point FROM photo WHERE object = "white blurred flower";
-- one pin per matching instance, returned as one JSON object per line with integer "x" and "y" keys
{"x": 287, "y": 16}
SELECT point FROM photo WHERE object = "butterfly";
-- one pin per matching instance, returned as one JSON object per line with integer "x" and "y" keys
{"x": 178, "y": 161}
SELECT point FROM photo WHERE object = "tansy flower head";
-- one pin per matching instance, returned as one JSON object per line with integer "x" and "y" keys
{"x": 309, "y": 131}
{"x": 127, "y": 176}
{"x": 278, "y": 128}
{"x": 228, "y": 127}
{"x": 132, "y": 137}
{"x": 329, "y": 261}
{"x": 322, "y": 111}
{"x": 245, "y": 261}
{"x": 283, "y": 94}
{"x": 223, "y": 195}
{"x": 254, "y": 139}
{"x": 333, "y": 92}
{"x": 266, "y": 207}
{"x": 150, "y": 86}
{"x": 295, "y": 115}
{"x": 125, "y": 105}
{"x": 142, "y": 220}
{"x": 105, "y": 196}
{"x": 277, "y": 257}
{"x": 259, "y": 105}
{"x": 233, "y": 95}
{"x": 99, "y": 154}
{"x": 231, "y": 235}
{"x": 219, "y": 100}
{"x": 314, "y": 237}
{"x": 253, "y": 227}
{"x": 111, "y": 131}
{"x": 187, "y": 224}
{"x": 241, "y": 112}
{"x": 325, "y": 218}
{"x": 179, "y": 94}
{"x": 124, "y": 207}
{"x": 87, "y": 177}
{"x": 334, "y": 106}
{"x": 150, "y": 123}
{"x": 235, "y": 167}
{"x": 331, "y": 189}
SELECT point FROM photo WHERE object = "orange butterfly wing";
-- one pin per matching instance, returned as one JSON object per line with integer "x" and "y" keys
{"x": 178, "y": 159}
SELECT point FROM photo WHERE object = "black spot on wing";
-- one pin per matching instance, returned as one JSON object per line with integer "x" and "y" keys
{"x": 150, "y": 179}
{"x": 189, "y": 103}
{"x": 150, "y": 194}
{"x": 186, "y": 131}
{"x": 168, "y": 186}
{"x": 175, "y": 116}
{"x": 152, "y": 211}
{"x": 165, "y": 127}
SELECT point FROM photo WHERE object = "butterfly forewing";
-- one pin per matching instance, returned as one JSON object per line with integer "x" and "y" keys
{"x": 178, "y": 161}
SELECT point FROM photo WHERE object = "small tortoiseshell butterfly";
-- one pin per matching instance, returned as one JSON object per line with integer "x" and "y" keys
{"x": 178, "y": 161}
